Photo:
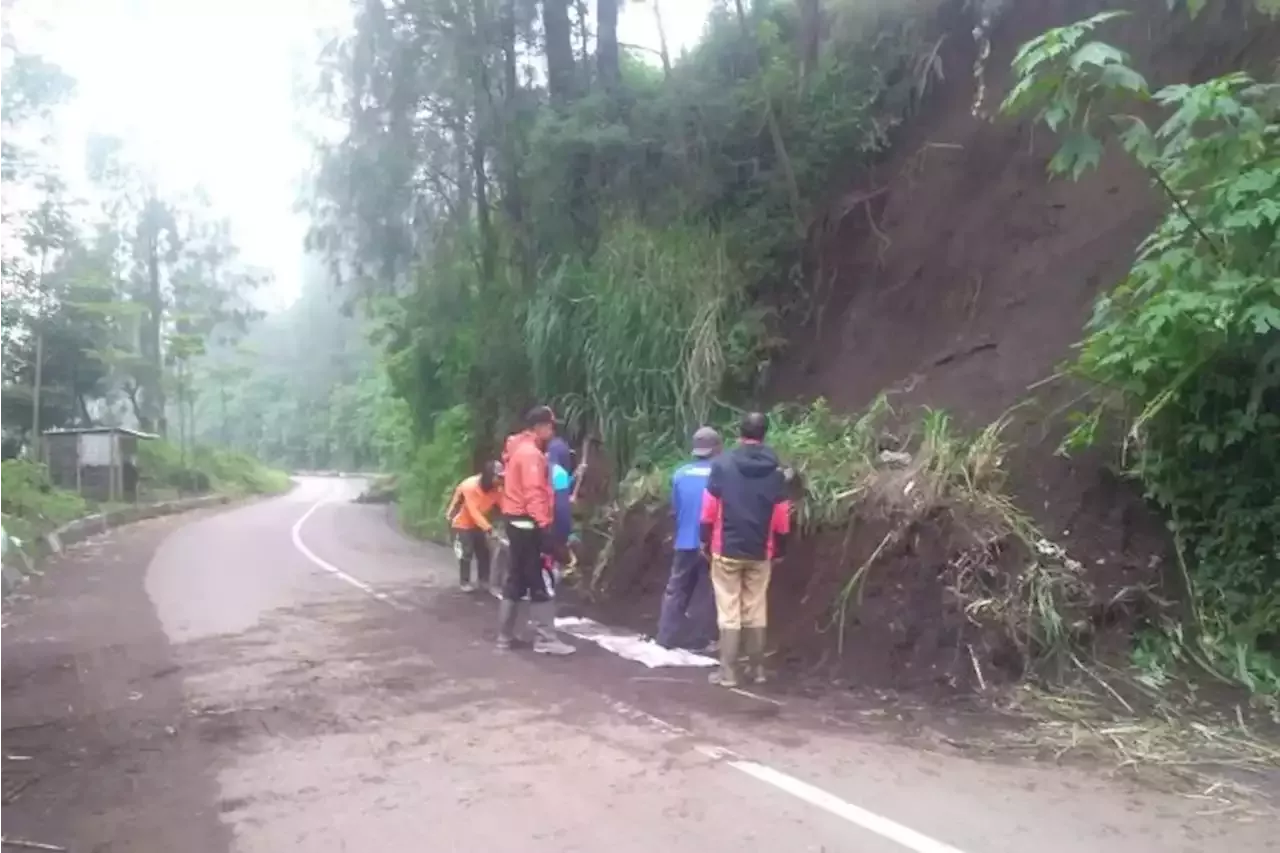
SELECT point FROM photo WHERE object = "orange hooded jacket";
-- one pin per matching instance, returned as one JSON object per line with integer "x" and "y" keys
{"x": 527, "y": 486}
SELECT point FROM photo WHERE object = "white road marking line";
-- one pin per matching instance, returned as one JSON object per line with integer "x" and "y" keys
{"x": 869, "y": 821}
{"x": 296, "y": 535}
{"x": 756, "y": 696}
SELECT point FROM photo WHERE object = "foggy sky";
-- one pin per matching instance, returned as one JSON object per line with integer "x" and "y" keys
{"x": 204, "y": 92}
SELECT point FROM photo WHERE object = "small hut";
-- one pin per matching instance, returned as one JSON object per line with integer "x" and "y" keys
{"x": 101, "y": 463}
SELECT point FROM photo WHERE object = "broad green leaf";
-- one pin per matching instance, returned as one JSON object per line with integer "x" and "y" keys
{"x": 1097, "y": 53}
{"x": 1079, "y": 151}
{"x": 1138, "y": 141}
{"x": 1119, "y": 76}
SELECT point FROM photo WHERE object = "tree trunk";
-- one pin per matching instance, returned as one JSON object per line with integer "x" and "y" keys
{"x": 771, "y": 120}
{"x": 607, "y": 43}
{"x": 482, "y": 122}
{"x": 559, "y": 36}
{"x": 510, "y": 140}
{"x": 226, "y": 425}
{"x": 38, "y": 383}
{"x": 153, "y": 392}
{"x": 810, "y": 36}
{"x": 584, "y": 44}
{"x": 662, "y": 39}
{"x": 35, "y": 396}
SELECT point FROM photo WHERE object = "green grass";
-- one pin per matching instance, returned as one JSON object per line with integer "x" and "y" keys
{"x": 163, "y": 472}
{"x": 645, "y": 332}
{"x": 32, "y": 505}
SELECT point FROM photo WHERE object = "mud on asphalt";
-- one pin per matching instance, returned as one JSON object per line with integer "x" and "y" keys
{"x": 95, "y": 745}
{"x": 114, "y": 738}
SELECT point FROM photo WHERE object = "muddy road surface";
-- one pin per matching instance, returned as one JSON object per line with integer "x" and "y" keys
{"x": 293, "y": 674}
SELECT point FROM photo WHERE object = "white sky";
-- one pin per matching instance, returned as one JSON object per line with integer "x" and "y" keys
{"x": 203, "y": 92}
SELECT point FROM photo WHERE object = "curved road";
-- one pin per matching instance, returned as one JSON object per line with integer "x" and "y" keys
{"x": 295, "y": 675}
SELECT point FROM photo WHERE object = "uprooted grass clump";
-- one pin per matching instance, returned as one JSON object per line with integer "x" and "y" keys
{"x": 911, "y": 479}
{"x": 1013, "y": 585}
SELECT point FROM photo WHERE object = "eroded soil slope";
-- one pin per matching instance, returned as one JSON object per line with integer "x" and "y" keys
{"x": 958, "y": 275}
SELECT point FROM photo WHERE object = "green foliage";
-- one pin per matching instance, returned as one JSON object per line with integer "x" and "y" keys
{"x": 162, "y": 468}
{"x": 1188, "y": 344}
{"x": 32, "y": 505}
{"x": 437, "y": 466}
{"x": 638, "y": 342}
{"x": 833, "y": 454}
{"x": 303, "y": 389}
{"x": 621, "y": 251}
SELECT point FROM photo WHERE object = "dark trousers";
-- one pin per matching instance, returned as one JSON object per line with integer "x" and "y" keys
{"x": 524, "y": 569}
{"x": 688, "y": 600}
{"x": 468, "y": 545}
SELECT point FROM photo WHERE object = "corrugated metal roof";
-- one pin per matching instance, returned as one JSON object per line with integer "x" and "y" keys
{"x": 99, "y": 431}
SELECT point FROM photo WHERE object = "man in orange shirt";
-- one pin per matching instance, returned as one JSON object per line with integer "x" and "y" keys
{"x": 527, "y": 510}
{"x": 473, "y": 501}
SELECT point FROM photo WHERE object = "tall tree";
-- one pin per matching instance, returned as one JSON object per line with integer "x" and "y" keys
{"x": 47, "y": 232}
{"x": 561, "y": 74}
{"x": 607, "y": 44}
{"x": 810, "y": 36}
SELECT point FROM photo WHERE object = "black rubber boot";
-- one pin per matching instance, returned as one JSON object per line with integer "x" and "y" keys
{"x": 727, "y": 675}
{"x": 753, "y": 641}
{"x": 508, "y": 611}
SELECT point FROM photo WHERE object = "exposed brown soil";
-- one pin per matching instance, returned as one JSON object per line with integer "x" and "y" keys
{"x": 961, "y": 282}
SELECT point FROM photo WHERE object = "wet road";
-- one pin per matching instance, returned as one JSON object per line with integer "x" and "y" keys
{"x": 332, "y": 692}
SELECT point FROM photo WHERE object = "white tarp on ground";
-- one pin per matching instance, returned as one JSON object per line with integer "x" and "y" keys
{"x": 630, "y": 646}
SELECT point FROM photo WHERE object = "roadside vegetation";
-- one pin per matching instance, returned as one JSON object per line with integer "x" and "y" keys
{"x": 1185, "y": 352}
{"x": 33, "y": 506}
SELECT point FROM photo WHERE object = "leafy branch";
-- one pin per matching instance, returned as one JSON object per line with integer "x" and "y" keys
{"x": 1188, "y": 339}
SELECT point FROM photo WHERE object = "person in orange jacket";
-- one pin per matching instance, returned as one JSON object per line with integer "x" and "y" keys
{"x": 527, "y": 511}
{"x": 474, "y": 500}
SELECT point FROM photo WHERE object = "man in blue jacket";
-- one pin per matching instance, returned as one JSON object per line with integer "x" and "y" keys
{"x": 689, "y": 587}
{"x": 560, "y": 467}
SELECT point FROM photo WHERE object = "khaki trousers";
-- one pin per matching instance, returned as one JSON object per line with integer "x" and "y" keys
{"x": 742, "y": 592}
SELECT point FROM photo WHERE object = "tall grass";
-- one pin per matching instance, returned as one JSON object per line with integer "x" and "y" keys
{"x": 426, "y": 483}
{"x": 643, "y": 333}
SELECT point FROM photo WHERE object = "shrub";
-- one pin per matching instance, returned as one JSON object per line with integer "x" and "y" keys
{"x": 437, "y": 466}
{"x": 161, "y": 468}
{"x": 1186, "y": 348}
{"x": 32, "y": 505}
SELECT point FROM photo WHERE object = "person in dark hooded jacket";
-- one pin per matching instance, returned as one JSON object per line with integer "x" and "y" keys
{"x": 746, "y": 520}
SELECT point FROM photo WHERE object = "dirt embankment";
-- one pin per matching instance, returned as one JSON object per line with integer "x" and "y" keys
{"x": 960, "y": 281}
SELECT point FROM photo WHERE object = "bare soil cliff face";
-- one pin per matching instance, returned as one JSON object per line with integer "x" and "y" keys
{"x": 958, "y": 275}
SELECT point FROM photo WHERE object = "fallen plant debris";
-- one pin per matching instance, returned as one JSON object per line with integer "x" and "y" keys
{"x": 1218, "y": 761}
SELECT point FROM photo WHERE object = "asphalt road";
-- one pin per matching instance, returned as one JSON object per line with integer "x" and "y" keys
{"x": 295, "y": 675}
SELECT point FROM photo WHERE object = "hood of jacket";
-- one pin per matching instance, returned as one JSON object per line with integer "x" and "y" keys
{"x": 515, "y": 442}
{"x": 754, "y": 461}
